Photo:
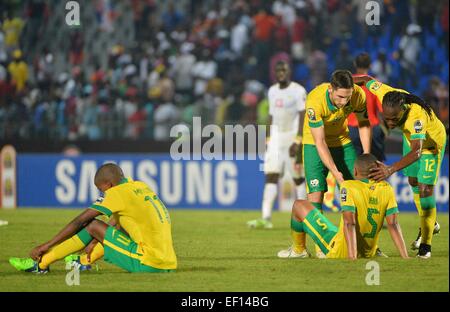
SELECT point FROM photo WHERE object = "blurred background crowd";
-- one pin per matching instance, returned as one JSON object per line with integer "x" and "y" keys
{"x": 133, "y": 69}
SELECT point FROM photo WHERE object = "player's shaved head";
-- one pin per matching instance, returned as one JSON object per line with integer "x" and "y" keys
{"x": 108, "y": 173}
{"x": 364, "y": 163}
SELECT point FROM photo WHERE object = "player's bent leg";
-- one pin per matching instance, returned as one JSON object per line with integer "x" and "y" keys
{"x": 69, "y": 246}
{"x": 97, "y": 229}
{"x": 122, "y": 251}
{"x": 321, "y": 230}
{"x": 300, "y": 209}
{"x": 427, "y": 220}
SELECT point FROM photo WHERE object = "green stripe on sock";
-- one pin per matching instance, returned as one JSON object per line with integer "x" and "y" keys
{"x": 84, "y": 236}
{"x": 297, "y": 226}
{"x": 428, "y": 203}
{"x": 416, "y": 190}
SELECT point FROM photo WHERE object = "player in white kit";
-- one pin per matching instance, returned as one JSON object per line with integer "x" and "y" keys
{"x": 286, "y": 113}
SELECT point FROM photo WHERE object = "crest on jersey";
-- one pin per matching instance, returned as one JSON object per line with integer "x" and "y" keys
{"x": 343, "y": 194}
{"x": 314, "y": 183}
{"x": 99, "y": 200}
{"x": 311, "y": 114}
{"x": 418, "y": 126}
{"x": 375, "y": 86}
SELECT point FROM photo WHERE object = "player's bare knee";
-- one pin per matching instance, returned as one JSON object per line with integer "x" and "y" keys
{"x": 299, "y": 209}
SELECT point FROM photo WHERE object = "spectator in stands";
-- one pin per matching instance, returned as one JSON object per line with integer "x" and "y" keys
{"x": 18, "y": 70}
{"x": 381, "y": 68}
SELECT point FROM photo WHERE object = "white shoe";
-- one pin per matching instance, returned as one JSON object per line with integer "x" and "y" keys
{"x": 416, "y": 244}
{"x": 320, "y": 254}
{"x": 437, "y": 228}
{"x": 290, "y": 253}
{"x": 425, "y": 256}
{"x": 381, "y": 254}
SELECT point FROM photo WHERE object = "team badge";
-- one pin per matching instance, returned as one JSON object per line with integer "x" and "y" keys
{"x": 376, "y": 85}
{"x": 314, "y": 183}
{"x": 418, "y": 126}
{"x": 99, "y": 200}
{"x": 343, "y": 194}
{"x": 311, "y": 114}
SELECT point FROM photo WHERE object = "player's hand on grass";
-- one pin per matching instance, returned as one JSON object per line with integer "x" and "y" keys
{"x": 39, "y": 251}
{"x": 380, "y": 172}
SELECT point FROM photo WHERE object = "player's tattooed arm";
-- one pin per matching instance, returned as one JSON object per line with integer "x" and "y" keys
{"x": 382, "y": 171}
{"x": 68, "y": 231}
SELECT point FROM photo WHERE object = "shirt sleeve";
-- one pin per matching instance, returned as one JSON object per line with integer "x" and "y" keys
{"x": 416, "y": 125}
{"x": 314, "y": 111}
{"x": 392, "y": 207}
{"x": 347, "y": 201}
{"x": 108, "y": 205}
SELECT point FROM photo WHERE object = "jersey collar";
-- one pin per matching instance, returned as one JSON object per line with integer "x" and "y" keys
{"x": 124, "y": 180}
{"x": 330, "y": 105}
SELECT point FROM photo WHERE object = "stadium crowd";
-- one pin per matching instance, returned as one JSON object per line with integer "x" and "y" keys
{"x": 212, "y": 59}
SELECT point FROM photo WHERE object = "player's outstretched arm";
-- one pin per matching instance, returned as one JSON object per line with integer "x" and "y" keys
{"x": 350, "y": 234}
{"x": 396, "y": 234}
{"x": 324, "y": 153}
{"x": 68, "y": 231}
{"x": 382, "y": 171}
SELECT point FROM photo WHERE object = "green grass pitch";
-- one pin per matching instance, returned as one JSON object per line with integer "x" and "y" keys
{"x": 217, "y": 252}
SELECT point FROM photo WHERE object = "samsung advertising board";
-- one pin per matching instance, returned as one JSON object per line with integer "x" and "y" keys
{"x": 67, "y": 182}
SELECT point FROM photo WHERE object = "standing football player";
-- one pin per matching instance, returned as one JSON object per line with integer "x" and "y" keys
{"x": 286, "y": 113}
{"x": 424, "y": 141}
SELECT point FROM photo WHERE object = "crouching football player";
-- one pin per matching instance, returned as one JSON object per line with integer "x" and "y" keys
{"x": 145, "y": 247}
{"x": 364, "y": 204}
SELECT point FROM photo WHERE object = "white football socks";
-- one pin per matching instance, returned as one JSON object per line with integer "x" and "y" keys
{"x": 270, "y": 193}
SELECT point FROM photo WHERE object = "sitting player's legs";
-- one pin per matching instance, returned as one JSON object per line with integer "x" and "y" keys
{"x": 308, "y": 219}
{"x": 121, "y": 250}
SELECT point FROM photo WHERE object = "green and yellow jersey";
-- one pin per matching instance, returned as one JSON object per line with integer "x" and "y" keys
{"x": 140, "y": 212}
{"x": 321, "y": 112}
{"x": 371, "y": 202}
{"x": 416, "y": 124}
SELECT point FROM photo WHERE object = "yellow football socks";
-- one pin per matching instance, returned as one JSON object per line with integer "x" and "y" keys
{"x": 428, "y": 218}
{"x": 298, "y": 236}
{"x": 96, "y": 254}
{"x": 69, "y": 246}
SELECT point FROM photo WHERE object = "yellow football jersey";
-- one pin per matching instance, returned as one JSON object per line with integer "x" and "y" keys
{"x": 140, "y": 212}
{"x": 321, "y": 112}
{"x": 371, "y": 201}
{"x": 417, "y": 124}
